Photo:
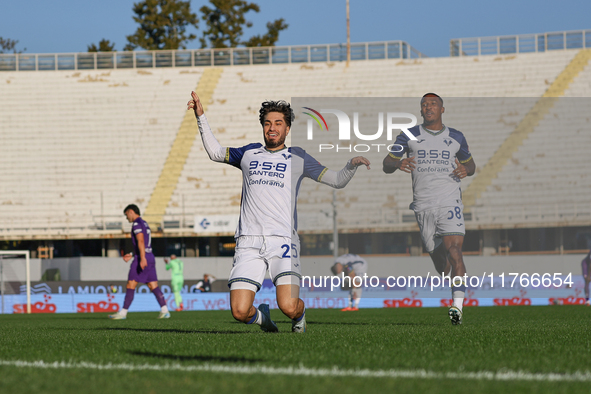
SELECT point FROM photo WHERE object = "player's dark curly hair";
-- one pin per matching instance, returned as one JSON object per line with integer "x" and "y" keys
{"x": 133, "y": 207}
{"x": 280, "y": 106}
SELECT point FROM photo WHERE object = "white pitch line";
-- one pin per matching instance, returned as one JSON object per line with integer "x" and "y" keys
{"x": 503, "y": 375}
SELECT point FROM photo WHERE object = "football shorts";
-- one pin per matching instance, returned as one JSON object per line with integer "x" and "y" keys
{"x": 360, "y": 267}
{"x": 256, "y": 254}
{"x": 438, "y": 222}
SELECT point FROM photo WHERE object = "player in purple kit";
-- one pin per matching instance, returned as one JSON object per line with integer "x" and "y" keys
{"x": 143, "y": 267}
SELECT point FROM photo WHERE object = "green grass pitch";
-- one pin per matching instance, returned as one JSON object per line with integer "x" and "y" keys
{"x": 497, "y": 349}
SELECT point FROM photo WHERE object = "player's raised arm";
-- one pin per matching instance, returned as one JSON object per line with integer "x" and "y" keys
{"x": 215, "y": 151}
{"x": 337, "y": 179}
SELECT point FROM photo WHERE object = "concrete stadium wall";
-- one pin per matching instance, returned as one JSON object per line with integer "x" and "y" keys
{"x": 14, "y": 270}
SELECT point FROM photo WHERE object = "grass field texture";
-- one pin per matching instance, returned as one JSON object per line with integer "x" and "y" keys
{"x": 497, "y": 349}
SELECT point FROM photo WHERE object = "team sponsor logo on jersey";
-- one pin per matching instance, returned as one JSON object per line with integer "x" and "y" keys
{"x": 267, "y": 173}
{"x": 266, "y": 182}
{"x": 432, "y": 169}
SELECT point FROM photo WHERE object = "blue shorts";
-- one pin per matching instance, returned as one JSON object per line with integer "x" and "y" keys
{"x": 143, "y": 275}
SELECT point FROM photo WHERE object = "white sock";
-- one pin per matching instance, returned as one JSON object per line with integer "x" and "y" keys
{"x": 259, "y": 318}
{"x": 357, "y": 293}
{"x": 457, "y": 294}
{"x": 459, "y": 301}
{"x": 123, "y": 312}
{"x": 164, "y": 309}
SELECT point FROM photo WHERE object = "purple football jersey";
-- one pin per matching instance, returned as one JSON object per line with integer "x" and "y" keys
{"x": 140, "y": 226}
{"x": 136, "y": 273}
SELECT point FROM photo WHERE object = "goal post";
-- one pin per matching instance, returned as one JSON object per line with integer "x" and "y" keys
{"x": 18, "y": 253}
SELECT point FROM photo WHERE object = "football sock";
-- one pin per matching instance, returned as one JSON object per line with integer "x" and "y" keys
{"x": 257, "y": 318}
{"x": 128, "y": 298}
{"x": 178, "y": 299}
{"x": 164, "y": 309}
{"x": 297, "y": 319}
{"x": 159, "y": 297}
{"x": 457, "y": 294}
{"x": 350, "y": 298}
{"x": 123, "y": 312}
{"x": 357, "y": 292}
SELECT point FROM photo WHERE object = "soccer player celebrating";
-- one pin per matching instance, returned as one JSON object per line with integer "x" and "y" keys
{"x": 143, "y": 267}
{"x": 438, "y": 159}
{"x": 352, "y": 265}
{"x": 266, "y": 236}
{"x": 176, "y": 279}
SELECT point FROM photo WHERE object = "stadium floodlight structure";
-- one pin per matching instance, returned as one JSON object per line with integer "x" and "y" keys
{"x": 14, "y": 253}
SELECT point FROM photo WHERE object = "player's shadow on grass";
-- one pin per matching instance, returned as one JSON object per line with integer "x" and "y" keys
{"x": 362, "y": 324}
{"x": 171, "y": 331}
{"x": 176, "y": 357}
{"x": 340, "y": 323}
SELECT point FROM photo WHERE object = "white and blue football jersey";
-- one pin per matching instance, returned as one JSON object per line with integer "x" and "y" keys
{"x": 354, "y": 262}
{"x": 271, "y": 182}
{"x": 433, "y": 182}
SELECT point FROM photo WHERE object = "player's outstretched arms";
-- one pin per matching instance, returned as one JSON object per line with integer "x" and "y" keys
{"x": 340, "y": 179}
{"x": 213, "y": 148}
{"x": 195, "y": 105}
{"x": 360, "y": 161}
{"x": 391, "y": 164}
{"x": 466, "y": 169}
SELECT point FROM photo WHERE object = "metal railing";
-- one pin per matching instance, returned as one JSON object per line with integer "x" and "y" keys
{"x": 523, "y": 43}
{"x": 207, "y": 57}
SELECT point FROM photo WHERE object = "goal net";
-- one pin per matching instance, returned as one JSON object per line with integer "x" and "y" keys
{"x": 15, "y": 276}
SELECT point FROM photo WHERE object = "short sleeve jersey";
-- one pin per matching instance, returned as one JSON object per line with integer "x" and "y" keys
{"x": 176, "y": 266}
{"x": 433, "y": 182}
{"x": 351, "y": 260}
{"x": 140, "y": 226}
{"x": 270, "y": 185}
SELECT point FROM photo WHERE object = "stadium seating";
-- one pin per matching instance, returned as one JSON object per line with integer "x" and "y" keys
{"x": 71, "y": 137}
{"x": 76, "y": 144}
